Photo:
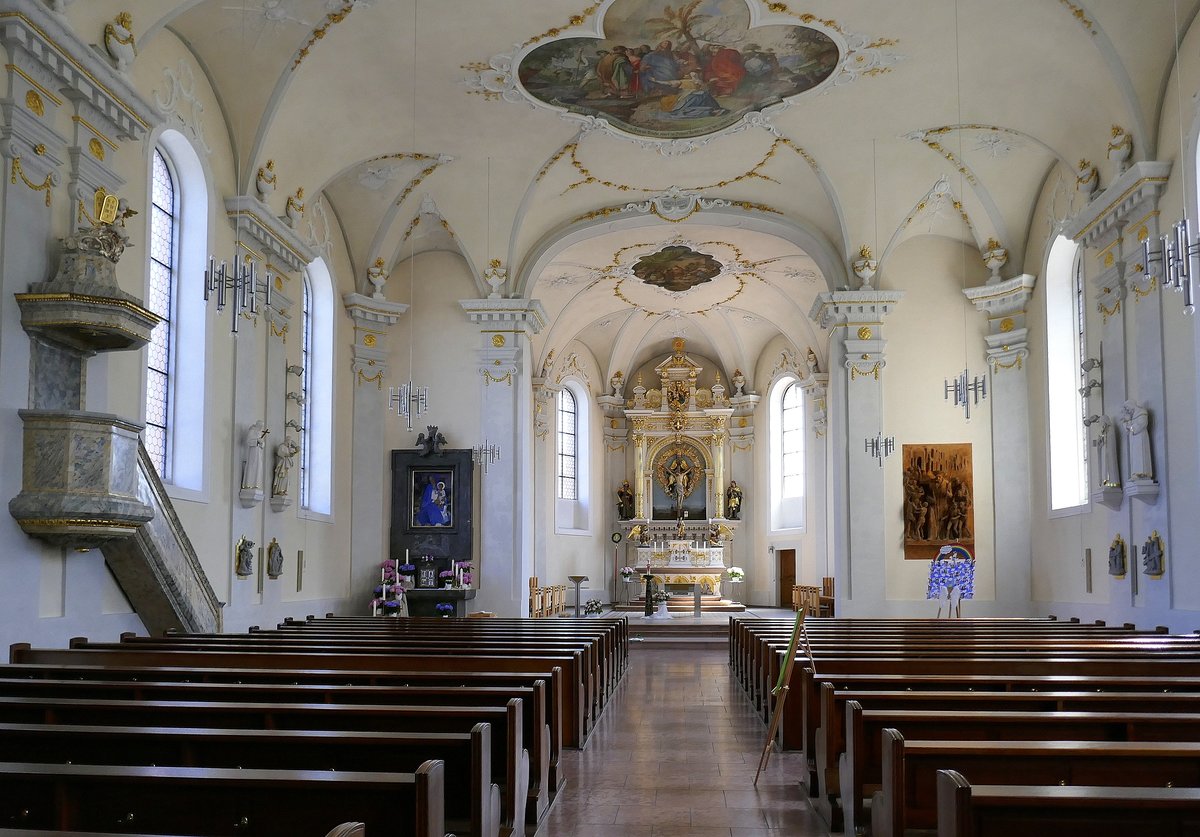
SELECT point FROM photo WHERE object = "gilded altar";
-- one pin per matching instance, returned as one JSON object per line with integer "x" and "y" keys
{"x": 683, "y": 562}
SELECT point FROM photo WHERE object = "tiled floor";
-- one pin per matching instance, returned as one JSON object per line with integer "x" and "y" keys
{"x": 674, "y": 756}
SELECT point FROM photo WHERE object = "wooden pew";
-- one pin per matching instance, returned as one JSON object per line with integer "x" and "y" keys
{"x": 1033, "y": 811}
{"x": 510, "y": 762}
{"x": 831, "y": 740}
{"x": 574, "y": 734}
{"x": 577, "y": 660}
{"x": 143, "y": 679}
{"x": 346, "y": 829}
{"x": 471, "y": 802}
{"x": 195, "y": 800}
{"x": 861, "y": 766}
{"x": 908, "y": 798}
{"x": 533, "y": 702}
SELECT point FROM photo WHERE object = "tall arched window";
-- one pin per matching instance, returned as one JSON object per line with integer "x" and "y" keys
{"x": 1065, "y": 348}
{"x": 787, "y": 455}
{"x": 316, "y": 440}
{"x": 164, "y": 256}
{"x": 571, "y": 461}
{"x": 177, "y": 245}
{"x": 568, "y": 446}
{"x": 306, "y": 337}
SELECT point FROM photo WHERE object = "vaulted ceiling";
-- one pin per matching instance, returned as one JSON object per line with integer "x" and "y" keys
{"x": 497, "y": 129}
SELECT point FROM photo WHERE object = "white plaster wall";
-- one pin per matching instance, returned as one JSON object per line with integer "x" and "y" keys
{"x": 931, "y": 335}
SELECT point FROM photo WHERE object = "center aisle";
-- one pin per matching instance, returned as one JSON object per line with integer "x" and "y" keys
{"x": 675, "y": 755}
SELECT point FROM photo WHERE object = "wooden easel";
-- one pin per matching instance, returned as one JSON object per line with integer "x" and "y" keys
{"x": 781, "y": 688}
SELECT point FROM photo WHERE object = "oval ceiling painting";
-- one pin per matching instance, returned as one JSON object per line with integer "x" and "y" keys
{"x": 674, "y": 70}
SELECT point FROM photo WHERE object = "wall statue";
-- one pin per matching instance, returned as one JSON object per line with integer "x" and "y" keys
{"x": 1105, "y": 445}
{"x": 733, "y": 501}
{"x": 1136, "y": 419}
{"x": 245, "y": 556}
{"x": 625, "y": 501}
{"x": 285, "y": 455}
{"x": 274, "y": 559}
{"x": 252, "y": 465}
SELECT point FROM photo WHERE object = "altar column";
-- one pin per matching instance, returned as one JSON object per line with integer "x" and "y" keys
{"x": 506, "y": 404}
{"x": 639, "y": 469}
{"x": 856, "y": 362}
{"x": 1007, "y": 350}
{"x": 369, "y": 502}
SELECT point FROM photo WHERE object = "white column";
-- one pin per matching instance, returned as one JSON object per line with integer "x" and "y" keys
{"x": 1007, "y": 350}
{"x": 506, "y": 530}
{"x": 856, "y": 414}
{"x": 816, "y": 391}
{"x": 372, "y": 318}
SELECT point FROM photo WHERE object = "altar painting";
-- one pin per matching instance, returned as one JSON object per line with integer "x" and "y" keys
{"x": 939, "y": 505}
{"x": 678, "y": 69}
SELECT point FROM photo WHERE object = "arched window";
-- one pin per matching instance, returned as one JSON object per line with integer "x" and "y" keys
{"x": 787, "y": 455}
{"x": 164, "y": 256}
{"x": 1065, "y": 348}
{"x": 571, "y": 461}
{"x": 177, "y": 232}
{"x": 316, "y": 442}
{"x": 306, "y": 337}
{"x": 566, "y": 474}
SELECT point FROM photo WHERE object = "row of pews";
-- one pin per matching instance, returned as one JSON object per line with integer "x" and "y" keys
{"x": 334, "y": 725}
{"x": 985, "y": 726}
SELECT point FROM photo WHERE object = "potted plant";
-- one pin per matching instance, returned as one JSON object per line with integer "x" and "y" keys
{"x": 592, "y": 607}
{"x": 408, "y": 575}
{"x": 447, "y": 577}
{"x": 626, "y": 574}
{"x": 736, "y": 573}
{"x": 445, "y": 609}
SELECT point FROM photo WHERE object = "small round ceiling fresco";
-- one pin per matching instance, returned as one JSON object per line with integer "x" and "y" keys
{"x": 677, "y": 70}
{"x": 676, "y": 268}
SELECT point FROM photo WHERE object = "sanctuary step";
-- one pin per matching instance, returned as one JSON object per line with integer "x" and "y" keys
{"x": 685, "y": 604}
{"x": 683, "y": 631}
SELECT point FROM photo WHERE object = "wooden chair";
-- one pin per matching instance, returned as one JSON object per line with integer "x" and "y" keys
{"x": 807, "y": 597}
{"x": 826, "y": 601}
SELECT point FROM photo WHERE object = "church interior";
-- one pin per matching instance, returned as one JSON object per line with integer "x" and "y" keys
{"x": 461, "y": 308}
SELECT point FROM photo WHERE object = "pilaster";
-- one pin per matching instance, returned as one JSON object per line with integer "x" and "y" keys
{"x": 816, "y": 395}
{"x": 857, "y": 360}
{"x": 373, "y": 319}
{"x": 506, "y": 405}
{"x": 1007, "y": 350}
{"x": 1114, "y": 225}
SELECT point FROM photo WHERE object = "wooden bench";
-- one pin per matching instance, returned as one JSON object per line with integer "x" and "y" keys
{"x": 471, "y": 801}
{"x": 831, "y": 739}
{"x": 861, "y": 766}
{"x": 533, "y": 702}
{"x": 578, "y": 663}
{"x": 510, "y": 762}
{"x": 908, "y": 797}
{"x": 574, "y": 713}
{"x": 144, "y": 680}
{"x": 1053, "y": 811}
{"x": 197, "y": 800}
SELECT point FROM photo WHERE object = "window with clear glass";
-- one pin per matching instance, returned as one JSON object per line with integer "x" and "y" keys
{"x": 306, "y": 338}
{"x": 1066, "y": 343}
{"x": 788, "y": 472}
{"x": 568, "y": 446}
{"x": 164, "y": 253}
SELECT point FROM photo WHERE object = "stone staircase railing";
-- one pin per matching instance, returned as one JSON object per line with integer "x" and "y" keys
{"x": 158, "y": 569}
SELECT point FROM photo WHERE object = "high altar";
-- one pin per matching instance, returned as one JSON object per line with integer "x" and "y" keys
{"x": 679, "y": 433}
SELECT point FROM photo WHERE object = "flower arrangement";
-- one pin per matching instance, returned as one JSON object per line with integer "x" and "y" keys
{"x": 592, "y": 607}
{"x": 444, "y": 608}
{"x": 736, "y": 573}
{"x": 464, "y": 569}
{"x": 407, "y": 569}
{"x": 446, "y": 577}
{"x": 660, "y": 596}
{"x": 626, "y": 573}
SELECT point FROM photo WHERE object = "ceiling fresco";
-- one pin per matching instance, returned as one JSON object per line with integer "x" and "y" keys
{"x": 673, "y": 71}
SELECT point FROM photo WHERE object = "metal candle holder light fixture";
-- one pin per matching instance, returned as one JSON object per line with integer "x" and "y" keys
{"x": 966, "y": 391}
{"x": 881, "y": 447}
{"x": 1178, "y": 252}
{"x": 242, "y": 281}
